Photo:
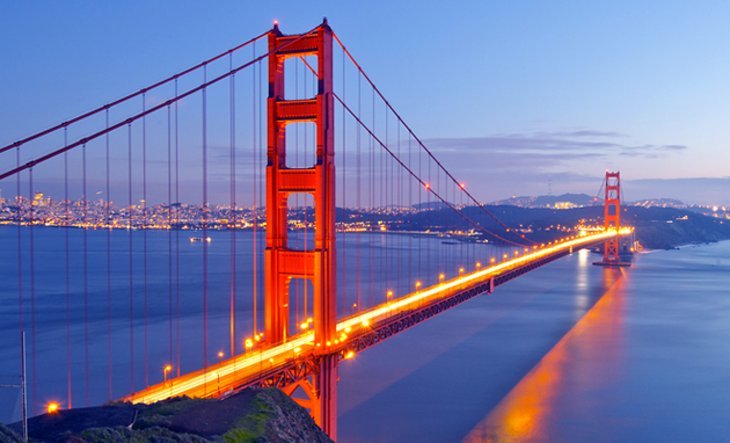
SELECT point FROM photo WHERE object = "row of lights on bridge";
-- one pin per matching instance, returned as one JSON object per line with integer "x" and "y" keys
{"x": 249, "y": 343}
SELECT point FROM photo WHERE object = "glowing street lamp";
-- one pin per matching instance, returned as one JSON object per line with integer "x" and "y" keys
{"x": 52, "y": 407}
{"x": 442, "y": 277}
{"x": 220, "y": 356}
{"x": 166, "y": 370}
{"x": 418, "y": 284}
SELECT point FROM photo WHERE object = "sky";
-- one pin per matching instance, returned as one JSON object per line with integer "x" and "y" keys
{"x": 516, "y": 97}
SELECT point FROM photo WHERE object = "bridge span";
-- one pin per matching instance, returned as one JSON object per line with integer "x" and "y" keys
{"x": 285, "y": 364}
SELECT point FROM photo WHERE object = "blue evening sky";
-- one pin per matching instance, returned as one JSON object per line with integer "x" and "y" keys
{"x": 536, "y": 91}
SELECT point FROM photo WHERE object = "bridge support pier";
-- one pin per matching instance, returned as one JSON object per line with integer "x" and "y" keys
{"x": 326, "y": 416}
{"x": 318, "y": 394}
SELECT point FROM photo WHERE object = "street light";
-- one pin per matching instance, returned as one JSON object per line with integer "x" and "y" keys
{"x": 52, "y": 407}
{"x": 166, "y": 370}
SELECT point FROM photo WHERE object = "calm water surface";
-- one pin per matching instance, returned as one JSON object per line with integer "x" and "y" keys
{"x": 570, "y": 352}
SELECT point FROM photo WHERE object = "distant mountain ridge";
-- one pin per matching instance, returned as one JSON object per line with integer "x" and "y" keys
{"x": 570, "y": 201}
{"x": 563, "y": 201}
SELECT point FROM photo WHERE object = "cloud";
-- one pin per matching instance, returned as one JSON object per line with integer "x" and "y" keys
{"x": 532, "y": 163}
{"x": 556, "y": 145}
{"x": 651, "y": 151}
{"x": 587, "y": 133}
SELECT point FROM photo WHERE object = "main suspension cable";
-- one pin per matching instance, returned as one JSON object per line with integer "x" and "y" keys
{"x": 128, "y": 97}
{"x": 423, "y": 146}
{"x": 150, "y": 110}
{"x": 419, "y": 179}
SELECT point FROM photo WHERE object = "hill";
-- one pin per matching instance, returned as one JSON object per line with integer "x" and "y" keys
{"x": 252, "y": 415}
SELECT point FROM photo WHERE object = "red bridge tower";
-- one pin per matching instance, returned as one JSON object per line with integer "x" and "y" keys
{"x": 612, "y": 220}
{"x": 281, "y": 263}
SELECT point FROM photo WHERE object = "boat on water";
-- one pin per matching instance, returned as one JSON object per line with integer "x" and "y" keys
{"x": 200, "y": 239}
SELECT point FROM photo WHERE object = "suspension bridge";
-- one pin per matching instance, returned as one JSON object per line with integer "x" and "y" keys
{"x": 142, "y": 302}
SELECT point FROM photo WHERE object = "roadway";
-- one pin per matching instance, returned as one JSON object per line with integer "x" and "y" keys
{"x": 360, "y": 330}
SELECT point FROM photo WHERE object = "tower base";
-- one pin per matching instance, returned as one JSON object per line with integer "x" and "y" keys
{"x": 613, "y": 264}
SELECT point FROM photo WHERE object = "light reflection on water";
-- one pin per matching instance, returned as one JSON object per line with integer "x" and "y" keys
{"x": 527, "y": 412}
{"x": 570, "y": 352}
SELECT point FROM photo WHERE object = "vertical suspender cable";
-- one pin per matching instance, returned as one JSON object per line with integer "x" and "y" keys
{"x": 232, "y": 225}
{"x": 358, "y": 192}
{"x": 31, "y": 238}
{"x": 144, "y": 243}
{"x": 130, "y": 211}
{"x": 410, "y": 205}
{"x": 177, "y": 231}
{"x": 169, "y": 235}
{"x": 67, "y": 227}
{"x": 19, "y": 222}
{"x": 385, "y": 192}
{"x": 205, "y": 216}
{"x": 85, "y": 232}
{"x": 344, "y": 166}
{"x": 399, "y": 206}
{"x": 372, "y": 205}
{"x": 420, "y": 208}
{"x": 107, "y": 221}
{"x": 255, "y": 220}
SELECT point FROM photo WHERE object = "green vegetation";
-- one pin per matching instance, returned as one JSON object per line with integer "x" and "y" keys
{"x": 252, "y": 415}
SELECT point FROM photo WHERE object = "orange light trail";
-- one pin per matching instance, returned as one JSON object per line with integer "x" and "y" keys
{"x": 244, "y": 368}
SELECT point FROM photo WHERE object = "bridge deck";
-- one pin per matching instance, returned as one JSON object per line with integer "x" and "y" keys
{"x": 282, "y": 364}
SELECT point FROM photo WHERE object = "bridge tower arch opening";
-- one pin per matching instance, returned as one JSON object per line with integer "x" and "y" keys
{"x": 281, "y": 262}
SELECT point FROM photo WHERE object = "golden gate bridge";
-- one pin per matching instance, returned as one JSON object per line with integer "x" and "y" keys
{"x": 297, "y": 300}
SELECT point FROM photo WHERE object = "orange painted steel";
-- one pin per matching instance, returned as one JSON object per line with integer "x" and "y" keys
{"x": 281, "y": 263}
{"x": 612, "y": 217}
